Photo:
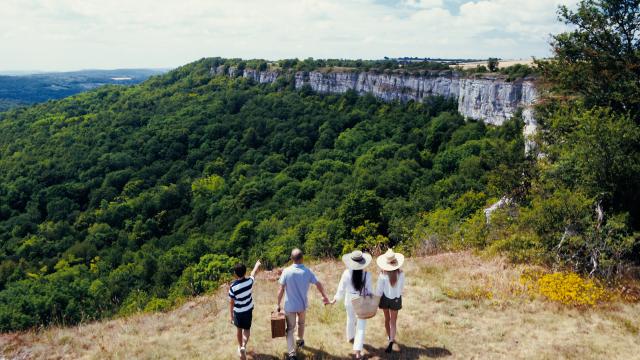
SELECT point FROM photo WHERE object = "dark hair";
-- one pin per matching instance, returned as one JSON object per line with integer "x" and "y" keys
{"x": 357, "y": 280}
{"x": 240, "y": 269}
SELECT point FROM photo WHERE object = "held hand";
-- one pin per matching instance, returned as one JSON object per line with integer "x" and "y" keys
{"x": 326, "y": 301}
{"x": 278, "y": 308}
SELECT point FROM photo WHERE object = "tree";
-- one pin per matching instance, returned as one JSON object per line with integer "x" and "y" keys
{"x": 492, "y": 64}
{"x": 358, "y": 207}
{"x": 599, "y": 60}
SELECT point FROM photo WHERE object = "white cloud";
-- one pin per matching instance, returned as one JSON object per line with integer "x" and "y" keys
{"x": 72, "y": 34}
{"x": 423, "y": 4}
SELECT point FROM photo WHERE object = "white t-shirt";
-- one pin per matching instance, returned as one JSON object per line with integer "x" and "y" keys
{"x": 346, "y": 290}
{"x": 384, "y": 286}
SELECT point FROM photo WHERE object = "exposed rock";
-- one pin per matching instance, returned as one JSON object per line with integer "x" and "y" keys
{"x": 504, "y": 201}
{"x": 489, "y": 99}
{"x": 530, "y": 129}
{"x": 494, "y": 100}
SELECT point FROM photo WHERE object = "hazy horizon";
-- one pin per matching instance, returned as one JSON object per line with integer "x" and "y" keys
{"x": 67, "y": 35}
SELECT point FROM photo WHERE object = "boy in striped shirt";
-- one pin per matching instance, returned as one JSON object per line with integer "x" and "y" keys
{"x": 241, "y": 304}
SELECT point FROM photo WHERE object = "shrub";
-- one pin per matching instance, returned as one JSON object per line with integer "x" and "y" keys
{"x": 208, "y": 273}
{"x": 519, "y": 247}
{"x": 134, "y": 303}
{"x": 322, "y": 240}
{"x": 367, "y": 238}
{"x": 435, "y": 230}
{"x": 156, "y": 304}
{"x": 567, "y": 288}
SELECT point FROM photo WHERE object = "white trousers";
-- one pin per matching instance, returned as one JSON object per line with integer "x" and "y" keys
{"x": 355, "y": 328}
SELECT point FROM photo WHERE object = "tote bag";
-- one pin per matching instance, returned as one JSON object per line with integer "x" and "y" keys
{"x": 366, "y": 305}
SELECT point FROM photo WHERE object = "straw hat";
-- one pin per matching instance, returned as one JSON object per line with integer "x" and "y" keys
{"x": 356, "y": 260}
{"x": 390, "y": 260}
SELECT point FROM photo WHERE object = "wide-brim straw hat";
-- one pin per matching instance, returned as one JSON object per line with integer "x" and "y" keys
{"x": 357, "y": 260}
{"x": 390, "y": 260}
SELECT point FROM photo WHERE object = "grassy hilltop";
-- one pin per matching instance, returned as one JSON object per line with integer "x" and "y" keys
{"x": 457, "y": 306}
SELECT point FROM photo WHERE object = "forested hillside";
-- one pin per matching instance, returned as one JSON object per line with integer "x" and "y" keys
{"x": 123, "y": 199}
{"x": 20, "y": 90}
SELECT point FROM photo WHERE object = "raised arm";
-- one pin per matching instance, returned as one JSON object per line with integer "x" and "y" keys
{"x": 255, "y": 269}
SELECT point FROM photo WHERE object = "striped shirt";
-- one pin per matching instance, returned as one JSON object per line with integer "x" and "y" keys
{"x": 240, "y": 292}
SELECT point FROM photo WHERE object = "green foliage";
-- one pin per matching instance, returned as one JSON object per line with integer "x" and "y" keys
{"x": 519, "y": 247}
{"x": 599, "y": 58}
{"x": 323, "y": 238}
{"x": 207, "y": 186}
{"x": 155, "y": 305}
{"x": 518, "y": 71}
{"x": 598, "y": 152}
{"x": 367, "y": 238}
{"x": 492, "y": 64}
{"x": 122, "y": 200}
{"x": 212, "y": 270}
{"x": 134, "y": 303}
{"x": 358, "y": 208}
{"x": 576, "y": 206}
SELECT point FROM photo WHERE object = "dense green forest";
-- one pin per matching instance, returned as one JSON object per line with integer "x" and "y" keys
{"x": 576, "y": 206}
{"x": 127, "y": 198}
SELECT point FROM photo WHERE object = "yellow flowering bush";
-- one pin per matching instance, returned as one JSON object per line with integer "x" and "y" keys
{"x": 567, "y": 288}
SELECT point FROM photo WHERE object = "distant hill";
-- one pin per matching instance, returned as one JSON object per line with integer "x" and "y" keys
{"x": 16, "y": 90}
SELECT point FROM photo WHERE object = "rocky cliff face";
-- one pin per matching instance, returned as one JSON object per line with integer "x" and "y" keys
{"x": 490, "y": 99}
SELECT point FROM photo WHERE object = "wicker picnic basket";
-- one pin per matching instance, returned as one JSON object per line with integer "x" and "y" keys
{"x": 278, "y": 324}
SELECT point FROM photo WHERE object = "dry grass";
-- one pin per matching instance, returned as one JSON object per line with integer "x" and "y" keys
{"x": 448, "y": 313}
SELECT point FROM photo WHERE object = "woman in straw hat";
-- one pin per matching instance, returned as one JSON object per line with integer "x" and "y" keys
{"x": 354, "y": 281}
{"x": 390, "y": 284}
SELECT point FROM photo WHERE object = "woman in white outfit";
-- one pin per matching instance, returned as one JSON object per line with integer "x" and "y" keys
{"x": 390, "y": 285}
{"x": 354, "y": 282}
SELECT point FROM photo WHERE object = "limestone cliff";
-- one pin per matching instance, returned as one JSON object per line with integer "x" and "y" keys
{"x": 490, "y": 99}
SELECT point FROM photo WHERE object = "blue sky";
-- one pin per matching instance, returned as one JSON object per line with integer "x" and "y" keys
{"x": 81, "y": 34}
